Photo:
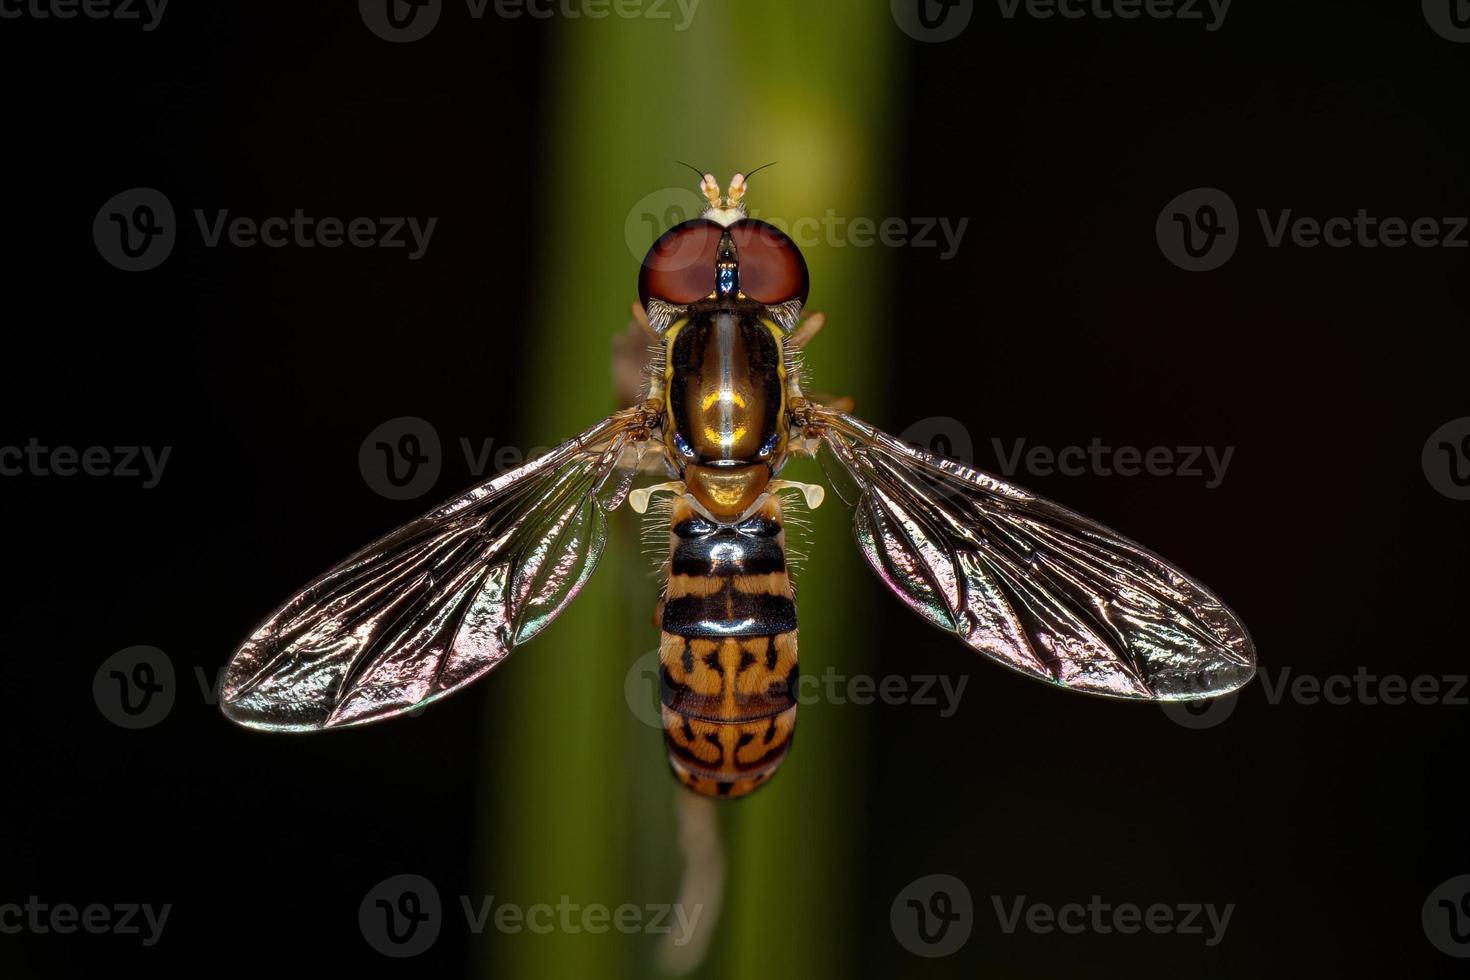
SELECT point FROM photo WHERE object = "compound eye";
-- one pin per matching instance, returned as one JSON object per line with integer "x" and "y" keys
{"x": 772, "y": 269}
{"x": 680, "y": 267}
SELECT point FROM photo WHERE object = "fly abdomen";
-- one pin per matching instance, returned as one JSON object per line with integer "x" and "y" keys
{"x": 728, "y": 653}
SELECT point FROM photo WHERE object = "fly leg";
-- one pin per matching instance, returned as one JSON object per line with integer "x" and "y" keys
{"x": 800, "y": 337}
{"x": 838, "y": 403}
{"x": 809, "y": 327}
{"x": 632, "y": 358}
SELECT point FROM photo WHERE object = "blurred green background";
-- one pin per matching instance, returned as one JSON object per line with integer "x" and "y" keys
{"x": 594, "y": 815}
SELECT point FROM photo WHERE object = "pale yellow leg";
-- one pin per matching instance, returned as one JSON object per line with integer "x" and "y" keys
{"x": 811, "y": 492}
{"x": 638, "y": 498}
{"x": 806, "y": 330}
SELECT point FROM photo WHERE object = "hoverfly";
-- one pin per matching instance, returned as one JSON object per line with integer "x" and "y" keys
{"x": 441, "y": 601}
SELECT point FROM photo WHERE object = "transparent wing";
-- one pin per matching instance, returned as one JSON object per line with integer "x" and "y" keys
{"x": 1026, "y": 582}
{"x": 441, "y": 601}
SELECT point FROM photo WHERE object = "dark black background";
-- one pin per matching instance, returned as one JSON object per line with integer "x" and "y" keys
{"x": 1059, "y": 320}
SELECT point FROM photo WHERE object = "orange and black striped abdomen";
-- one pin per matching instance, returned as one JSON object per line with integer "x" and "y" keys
{"x": 728, "y": 653}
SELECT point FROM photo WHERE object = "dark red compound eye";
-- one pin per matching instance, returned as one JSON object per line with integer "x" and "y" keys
{"x": 680, "y": 267}
{"x": 772, "y": 269}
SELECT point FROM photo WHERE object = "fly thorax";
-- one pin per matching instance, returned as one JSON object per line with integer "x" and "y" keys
{"x": 727, "y": 492}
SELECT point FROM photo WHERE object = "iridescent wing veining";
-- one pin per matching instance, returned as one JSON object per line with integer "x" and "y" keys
{"x": 1026, "y": 582}
{"x": 441, "y": 601}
